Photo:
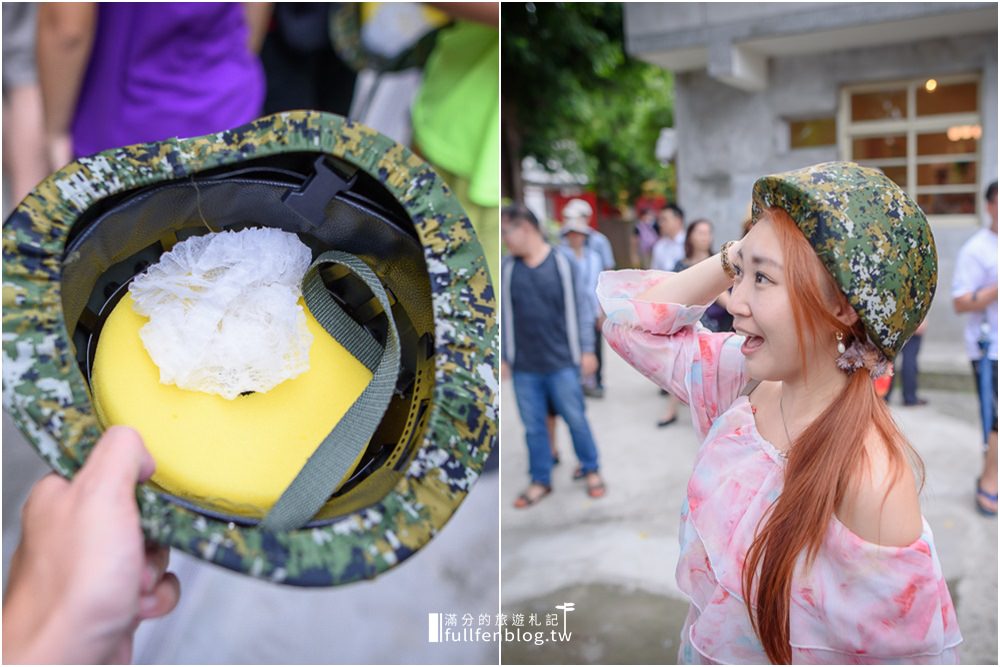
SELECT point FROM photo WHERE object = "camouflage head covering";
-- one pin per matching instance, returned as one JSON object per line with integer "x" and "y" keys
{"x": 345, "y": 36}
{"x": 870, "y": 235}
{"x": 48, "y": 397}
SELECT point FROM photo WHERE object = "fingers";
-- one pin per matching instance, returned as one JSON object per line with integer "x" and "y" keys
{"x": 161, "y": 590}
{"x": 43, "y": 496}
{"x": 157, "y": 560}
{"x": 165, "y": 596}
{"x": 118, "y": 462}
{"x": 48, "y": 487}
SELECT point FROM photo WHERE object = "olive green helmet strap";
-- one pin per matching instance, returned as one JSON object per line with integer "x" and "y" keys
{"x": 328, "y": 465}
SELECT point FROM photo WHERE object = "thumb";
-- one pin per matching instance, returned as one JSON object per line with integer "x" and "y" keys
{"x": 118, "y": 462}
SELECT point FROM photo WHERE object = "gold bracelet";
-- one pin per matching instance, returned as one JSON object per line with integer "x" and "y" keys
{"x": 726, "y": 264}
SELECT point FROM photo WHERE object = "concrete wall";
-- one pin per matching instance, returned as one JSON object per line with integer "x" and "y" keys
{"x": 728, "y": 138}
{"x": 794, "y": 27}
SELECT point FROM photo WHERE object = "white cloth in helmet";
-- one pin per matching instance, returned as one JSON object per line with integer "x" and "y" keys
{"x": 223, "y": 311}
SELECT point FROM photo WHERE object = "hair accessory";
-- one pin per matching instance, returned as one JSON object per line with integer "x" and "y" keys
{"x": 863, "y": 354}
{"x": 870, "y": 235}
{"x": 727, "y": 266}
{"x": 840, "y": 342}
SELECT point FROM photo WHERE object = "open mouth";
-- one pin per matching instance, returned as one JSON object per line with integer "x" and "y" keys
{"x": 751, "y": 345}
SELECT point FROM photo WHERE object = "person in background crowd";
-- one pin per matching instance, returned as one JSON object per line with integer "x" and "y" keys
{"x": 548, "y": 342}
{"x": 908, "y": 371}
{"x": 974, "y": 291}
{"x": 580, "y": 209}
{"x": 302, "y": 69}
{"x": 118, "y": 74}
{"x": 25, "y": 160}
{"x": 644, "y": 237}
{"x": 588, "y": 264}
{"x": 669, "y": 248}
{"x": 698, "y": 246}
{"x": 456, "y": 115}
{"x": 698, "y": 242}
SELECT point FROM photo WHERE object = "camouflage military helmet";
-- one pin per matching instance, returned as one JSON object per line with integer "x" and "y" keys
{"x": 345, "y": 28}
{"x": 872, "y": 238}
{"x": 84, "y": 232}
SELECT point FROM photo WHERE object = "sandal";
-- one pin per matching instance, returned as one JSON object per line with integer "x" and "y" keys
{"x": 578, "y": 474}
{"x": 980, "y": 494}
{"x": 597, "y": 490}
{"x": 524, "y": 500}
{"x": 666, "y": 422}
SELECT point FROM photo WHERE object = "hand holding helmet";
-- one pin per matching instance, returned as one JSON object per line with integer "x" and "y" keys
{"x": 70, "y": 598}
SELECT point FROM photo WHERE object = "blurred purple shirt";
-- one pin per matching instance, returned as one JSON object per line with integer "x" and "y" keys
{"x": 163, "y": 70}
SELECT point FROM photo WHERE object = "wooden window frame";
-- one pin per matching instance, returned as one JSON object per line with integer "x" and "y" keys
{"x": 911, "y": 126}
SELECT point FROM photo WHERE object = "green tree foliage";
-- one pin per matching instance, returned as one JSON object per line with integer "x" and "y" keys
{"x": 572, "y": 97}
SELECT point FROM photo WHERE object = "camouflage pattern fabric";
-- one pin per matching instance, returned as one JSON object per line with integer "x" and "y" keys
{"x": 49, "y": 400}
{"x": 872, "y": 238}
{"x": 345, "y": 36}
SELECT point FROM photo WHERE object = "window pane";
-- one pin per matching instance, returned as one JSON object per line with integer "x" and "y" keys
{"x": 948, "y": 98}
{"x": 938, "y": 143}
{"x": 897, "y": 174}
{"x": 809, "y": 133}
{"x": 945, "y": 204}
{"x": 878, "y": 106}
{"x": 869, "y": 148}
{"x": 947, "y": 173}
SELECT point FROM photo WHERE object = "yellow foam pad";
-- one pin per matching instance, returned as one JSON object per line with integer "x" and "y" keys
{"x": 235, "y": 455}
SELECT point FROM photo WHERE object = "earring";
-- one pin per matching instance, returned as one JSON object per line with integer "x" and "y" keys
{"x": 840, "y": 343}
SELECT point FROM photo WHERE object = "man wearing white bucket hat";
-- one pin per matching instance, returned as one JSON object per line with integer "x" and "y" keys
{"x": 581, "y": 210}
{"x": 576, "y": 234}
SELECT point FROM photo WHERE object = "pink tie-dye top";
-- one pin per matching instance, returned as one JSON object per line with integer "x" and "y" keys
{"x": 858, "y": 603}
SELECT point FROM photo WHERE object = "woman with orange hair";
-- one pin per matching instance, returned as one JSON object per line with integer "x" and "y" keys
{"x": 802, "y": 538}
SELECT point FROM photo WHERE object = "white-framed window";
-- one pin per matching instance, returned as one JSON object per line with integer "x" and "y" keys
{"x": 925, "y": 135}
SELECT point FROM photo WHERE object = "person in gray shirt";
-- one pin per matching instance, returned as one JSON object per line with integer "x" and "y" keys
{"x": 548, "y": 341}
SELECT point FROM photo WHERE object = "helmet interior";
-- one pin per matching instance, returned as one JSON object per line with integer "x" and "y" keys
{"x": 330, "y": 205}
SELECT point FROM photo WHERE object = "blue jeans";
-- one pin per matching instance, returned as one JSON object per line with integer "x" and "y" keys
{"x": 907, "y": 370}
{"x": 561, "y": 389}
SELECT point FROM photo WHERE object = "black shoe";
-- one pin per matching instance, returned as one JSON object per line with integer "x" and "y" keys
{"x": 918, "y": 402}
{"x": 593, "y": 392}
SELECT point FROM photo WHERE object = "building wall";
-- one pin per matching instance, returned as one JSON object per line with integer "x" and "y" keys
{"x": 728, "y": 138}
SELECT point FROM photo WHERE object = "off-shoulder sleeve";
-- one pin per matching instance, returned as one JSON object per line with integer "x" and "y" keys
{"x": 869, "y": 604}
{"x": 859, "y": 603}
{"x": 666, "y": 343}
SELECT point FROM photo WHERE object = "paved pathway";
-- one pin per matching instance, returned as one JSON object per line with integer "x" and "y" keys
{"x": 618, "y": 554}
{"x": 225, "y": 618}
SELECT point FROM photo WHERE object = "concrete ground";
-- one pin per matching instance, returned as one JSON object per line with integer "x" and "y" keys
{"x": 225, "y": 618}
{"x": 615, "y": 557}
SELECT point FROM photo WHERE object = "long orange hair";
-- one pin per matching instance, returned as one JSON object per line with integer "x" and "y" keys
{"x": 824, "y": 461}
